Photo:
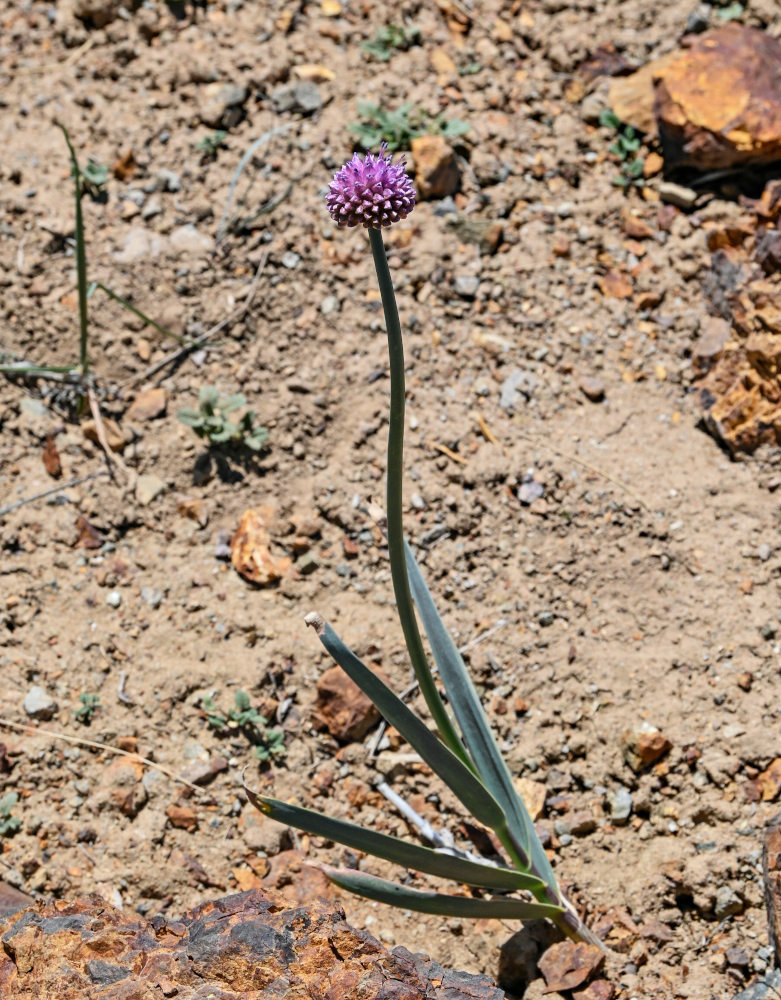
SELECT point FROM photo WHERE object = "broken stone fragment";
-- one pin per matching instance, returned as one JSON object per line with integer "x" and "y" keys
{"x": 644, "y": 746}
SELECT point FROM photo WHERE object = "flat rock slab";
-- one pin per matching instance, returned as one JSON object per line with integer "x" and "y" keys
{"x": 232, "y": 947}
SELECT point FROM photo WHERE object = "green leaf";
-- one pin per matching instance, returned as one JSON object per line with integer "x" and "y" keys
{"x": 452, "y": 127}
{"x": 242, "y": 701}
{"x": 208, "y": 396}
{"x": 7, "y": 803}
{"x": 456, "y": 775}
{"x": 608, "y": 119}
{"x": 438, "y": 903}
{"x": 230, "y": 403}
{"x": 471, "y": 718}
{"x": 414, "y": 856}
{"x": 190, "y": 417}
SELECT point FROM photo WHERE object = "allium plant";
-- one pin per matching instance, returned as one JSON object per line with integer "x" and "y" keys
{"x": 374, "y": 192}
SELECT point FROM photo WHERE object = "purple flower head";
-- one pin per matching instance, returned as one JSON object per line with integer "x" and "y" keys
{"x": 372, "y": 192}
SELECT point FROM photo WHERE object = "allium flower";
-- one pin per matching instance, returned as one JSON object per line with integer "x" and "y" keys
{"x": 373, "y": 192}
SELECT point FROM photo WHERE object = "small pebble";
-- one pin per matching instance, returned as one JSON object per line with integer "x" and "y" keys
{"x": 39, "y": 704}
{"x": 114, "y": 598}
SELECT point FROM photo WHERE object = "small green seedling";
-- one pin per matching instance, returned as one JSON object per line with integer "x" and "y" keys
{"x": 8, "y": 824}
{"x": 211, "y": 420}
{"x": 267, "y": 743}
{"x": 732, "y": 12}
{"x": 94, "y": 177}
{"x": 89, "y": 705}
{"x": 209, "y": 145}
{"x": 398, "y": 128}
{"x": 624, "y": 147}
{"x": 389, "y": 39}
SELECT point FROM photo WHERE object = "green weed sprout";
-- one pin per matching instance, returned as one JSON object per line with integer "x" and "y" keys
{"x": 89, "y": 705}
{"x": 390, "y": 38}
{"x": 8, "y": 824}
{"x": 266, "y": 743}
{"x": 398, "y": 128}
{"x": 624, "y": 147}
{"x": 209, "y": 145}
{"x": 374, "y": 193}
{"x": 211, "y": 420}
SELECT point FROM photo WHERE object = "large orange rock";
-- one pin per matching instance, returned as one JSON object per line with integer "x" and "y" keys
{"x": 719, "y": 103}
{"x": 714, "y": 105}
{"x": 251, "y": 554}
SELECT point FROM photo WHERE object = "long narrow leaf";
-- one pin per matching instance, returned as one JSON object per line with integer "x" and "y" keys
{"x": 475, "y": 729}
{"x": 456, "y": 775}
{"x": 422, "y": 859}
{"x": 142, "y": 316}
{"x": 441, "y": 904}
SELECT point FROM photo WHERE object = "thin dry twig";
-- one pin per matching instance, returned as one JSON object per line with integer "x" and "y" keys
{"x": 100, "y": 430}
{"x": 72, "y": 59}
{"x": 180, "y": 352}
{"x": 54, "y": 489}
{"x": 79, "y": 741}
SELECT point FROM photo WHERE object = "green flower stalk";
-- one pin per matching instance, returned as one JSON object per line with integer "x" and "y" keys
{"x": 374, "y": 193}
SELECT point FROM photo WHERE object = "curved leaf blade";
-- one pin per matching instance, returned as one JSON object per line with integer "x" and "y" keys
{"x": 381, "y": 845}
{"x": 371, "y": 887}
{"x": 468, "y": 787}
{"x": 475, "y": 729}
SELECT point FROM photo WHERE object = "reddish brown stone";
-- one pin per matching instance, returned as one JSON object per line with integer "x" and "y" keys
{"x": 148, "y": 405}
{"x": 183, "y": 817}
{"x": 570, "y": 964}
{"x": 342, "y": 708}
{"x": 644, "y": 746}
{"x": 436, "y": 169}
{"x": 239, "y": 947}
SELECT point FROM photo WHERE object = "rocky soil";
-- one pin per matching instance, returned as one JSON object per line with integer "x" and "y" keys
{"x": 611, "y": 569}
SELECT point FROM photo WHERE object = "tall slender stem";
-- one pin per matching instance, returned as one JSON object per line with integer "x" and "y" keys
{"x": 394, "y": 475}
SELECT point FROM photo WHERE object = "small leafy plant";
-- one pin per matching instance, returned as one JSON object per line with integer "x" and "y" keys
{"x": 391, "y": 38}
{"x": 398, "y": 128}
{"x": 212, "y": 420}
{"x": 625, "y": 147}
{"x": 267, "y": 743}
{"x": 8, "y": 824}
{"x": 209, "y": 145}
{"x": 94, "y": 177}
{"x": 89, "y": 705}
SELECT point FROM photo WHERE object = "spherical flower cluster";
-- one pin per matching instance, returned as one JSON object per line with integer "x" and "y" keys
{"x": 373, "y": 192}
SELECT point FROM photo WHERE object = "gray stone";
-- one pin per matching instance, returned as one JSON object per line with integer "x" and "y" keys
{"x": 699, "y": 19}
{"x": 768, "y": 630}
{"x": 445, "y": 207}
{"x": 329, "y": 305}
{"x": 619, "y": 802}
{"x": 727, "y": 903}
{"x": 764, "y": 552}
{"x": 307, "y": 564}
{"x": 466, "y": 285}
{"x": 152, "y": 596}
{"x": 151, "y": 208}
{"x": 303, "y": 96}
{"x": 114, "y": 599}
{"x": 517, "y": 383}
{"x": 290, "y": 259}
{"x": 188, "y": 240}
{"x": 546, "y": 618}
{"x": 168, "y": 180}
{"x": 221, "y": 104}
{"x": 529, "y": 491}
{"x": 32, "y": 407}
{"x": 139, "y": 244}
{"x": 148, "y": 487}
{"x": 768, "y": 988}
{"x": 39, "y": 704}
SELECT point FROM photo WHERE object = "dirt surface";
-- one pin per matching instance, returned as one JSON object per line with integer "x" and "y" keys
{"x": 640, "y": 586}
